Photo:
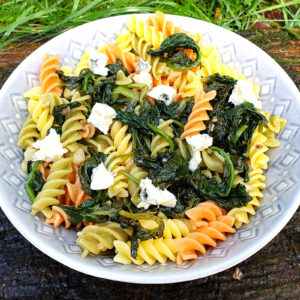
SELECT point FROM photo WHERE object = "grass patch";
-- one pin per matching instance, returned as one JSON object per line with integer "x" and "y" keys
{"x": 37, "y": 21}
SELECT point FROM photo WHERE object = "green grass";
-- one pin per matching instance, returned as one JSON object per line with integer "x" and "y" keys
{"x": 37, "y": 21}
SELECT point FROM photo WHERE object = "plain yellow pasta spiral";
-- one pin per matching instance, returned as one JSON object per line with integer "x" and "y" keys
{"x": 176, "y": 228}
{"x": 124, "y": 41}
{"x": 28, "y": 133}
{"x": 94, "y": 239}
{"x": 33, "y": 93}
{"x": 158, "y": 143}
{"x": 193, "y": 83}
{"x": 143, "y": 30}
{"x": 53, "y": 187}
{"x": 274, "y": 126}
{"x": 258, "y": 158}
{"x": 83, "y": 63}
{"x": 254, "y": 187}
{"x": 121, "y": 138}
{"x": 149, "y": 252}
{"x": 41, "y": 116}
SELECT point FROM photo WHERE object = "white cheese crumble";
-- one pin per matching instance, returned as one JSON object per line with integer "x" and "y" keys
{"x": 98, "y": 62}
{"x": 198, "y": 143}
{"x": 143, "y": 66}
{"x": 101, "y": 178}
{"x": 143, "y": 78}
{"x": 163, "y": 93}
{"x": 102, "y": 116}
{"x": 152, "y": 195}
{"x": 242, "y": 92}
{"x": 49, "y": 147}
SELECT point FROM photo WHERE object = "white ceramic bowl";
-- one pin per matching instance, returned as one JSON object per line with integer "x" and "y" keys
{"x": 278, "y": 94}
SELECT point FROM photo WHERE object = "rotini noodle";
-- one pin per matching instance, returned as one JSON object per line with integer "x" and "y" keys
{"x": 28, "y": 133}
{"x": 50, "y": 82}
{"x": 100, "y": 237}
{"x": 53, "y": 186}
{"x": 196, "y": 119}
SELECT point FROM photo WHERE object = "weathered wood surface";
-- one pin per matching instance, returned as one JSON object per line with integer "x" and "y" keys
{"x": 272, "y": 273}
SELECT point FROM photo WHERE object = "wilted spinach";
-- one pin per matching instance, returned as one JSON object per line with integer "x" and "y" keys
{"x": 230, "y": 126}
{"x": 90, "y": 211}
{"x": 171, "y": 52}
{"x": 59, "y": 112}
{"x": 172, "y": 169}
{"x": 35, "y": 181}
{"x": 72, "y": 82}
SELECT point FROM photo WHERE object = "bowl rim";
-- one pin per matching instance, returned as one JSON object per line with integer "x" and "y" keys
{"x": 144, "y": 278}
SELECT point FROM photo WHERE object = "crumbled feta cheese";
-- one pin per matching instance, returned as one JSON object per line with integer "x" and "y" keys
{"x": 151, "y": 195}
{"x": 242, "y": 92}
{"x": 163, "y": 93}
{"x": 49, "y": 147}
{"x": 98, "y": 62}
{"x": 143, "y": 78}
{"x": 102, "y": 116}
{"x": 198, "y": 143}
{"x": 143, "y": 66}
{"x": 101, "y": 178}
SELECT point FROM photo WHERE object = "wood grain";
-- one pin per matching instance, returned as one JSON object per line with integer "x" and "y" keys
{"x": 272, "y": 273}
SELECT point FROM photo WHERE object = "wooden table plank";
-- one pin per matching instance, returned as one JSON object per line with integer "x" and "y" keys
{"x": 272, "y": 273}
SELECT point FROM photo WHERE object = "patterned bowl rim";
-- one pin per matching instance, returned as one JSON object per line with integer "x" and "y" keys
{"x": 150, "y": 278}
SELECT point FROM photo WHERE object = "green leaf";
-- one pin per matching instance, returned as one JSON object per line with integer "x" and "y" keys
{"x": 170, "y": 52}
{"x": 230, "y": 126}
{"x": 59, "y": 113}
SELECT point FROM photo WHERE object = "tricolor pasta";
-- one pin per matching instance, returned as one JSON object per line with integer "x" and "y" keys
{"x": 151, "y": 146}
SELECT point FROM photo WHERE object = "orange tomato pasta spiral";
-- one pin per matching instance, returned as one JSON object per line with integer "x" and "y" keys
{"x": 58, "y": 217}
{"x": 198, "y": 115}
{"x": 50, "y": 82}
{"x": 210, "y": 223}
{"x": 113, "y": 52}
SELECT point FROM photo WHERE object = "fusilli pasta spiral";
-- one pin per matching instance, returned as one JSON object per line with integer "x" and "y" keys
{"x": 100, "y": 237}
{"x": 28, "y": 133}
{"x": 56, "y": 180}
{"x": 71, "y": 128}
{"x": 195, "y": 122}
{"x": 50, "y": 82}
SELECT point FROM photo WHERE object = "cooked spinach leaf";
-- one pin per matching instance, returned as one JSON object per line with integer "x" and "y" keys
{"x": 59, "y": 112}
{"x": 172, "y": 169}
{"x": 72, "y": 82}
{"x": 230, "y": 126}
{"x": 35, "y": 181}
{"x": 115, "y": 68}
{"x": 237, "y": 197}
{"x": 142, "y": 153}
{"x": 88, "y": 211}
{"x": 171, "y": 52}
